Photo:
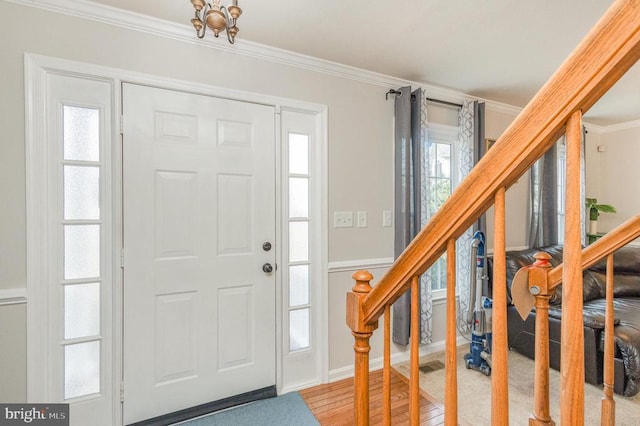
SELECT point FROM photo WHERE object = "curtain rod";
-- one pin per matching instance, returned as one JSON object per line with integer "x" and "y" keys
{"x": 397, "y": 92}
{"x": 453, "y": 104}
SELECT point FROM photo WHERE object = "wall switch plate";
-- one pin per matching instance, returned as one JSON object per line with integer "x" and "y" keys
{"x": 362, "y": 220}
{"x": 343, "y": 219}
{"x": 386, "y": 218}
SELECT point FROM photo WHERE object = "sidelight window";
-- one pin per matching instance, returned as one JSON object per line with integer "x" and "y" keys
{"x": 299, "y": 261}
{"x": 82, "y": 270}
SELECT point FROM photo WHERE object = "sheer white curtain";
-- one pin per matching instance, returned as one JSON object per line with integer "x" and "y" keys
{"x": 427, "y": 279}
{"x": 466, "y": 123}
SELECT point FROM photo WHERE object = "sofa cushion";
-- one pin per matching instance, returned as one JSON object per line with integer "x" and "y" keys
{"x": 626, "y": 261}
{"x": 592, "y": 314}
{"x": 624, "y": 285}
{"x": 626, "y": 336}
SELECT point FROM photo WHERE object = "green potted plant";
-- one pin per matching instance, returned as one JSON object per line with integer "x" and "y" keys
{"x": 594, "y": 212}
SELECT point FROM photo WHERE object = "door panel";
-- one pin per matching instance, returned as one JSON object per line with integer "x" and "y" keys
{"x": 199, "y": 202}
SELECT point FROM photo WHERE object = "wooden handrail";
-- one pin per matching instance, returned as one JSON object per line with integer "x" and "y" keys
{"x": 605, "y": 54}
{"x": 604, "y": 246}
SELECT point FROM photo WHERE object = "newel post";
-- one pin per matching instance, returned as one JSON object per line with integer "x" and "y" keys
{"x": 361, "y": 333}
{"x": 539, "y": 288}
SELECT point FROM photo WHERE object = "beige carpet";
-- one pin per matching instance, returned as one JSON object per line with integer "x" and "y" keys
{"x": 474, "y": 393}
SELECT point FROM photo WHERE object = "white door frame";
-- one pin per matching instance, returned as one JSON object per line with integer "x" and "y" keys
{"x": 36, "y": 69}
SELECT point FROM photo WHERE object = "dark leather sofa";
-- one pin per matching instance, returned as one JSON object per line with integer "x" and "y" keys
{"x": 521, "y": 334}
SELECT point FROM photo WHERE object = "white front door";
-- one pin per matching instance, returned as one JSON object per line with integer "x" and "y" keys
{"x": 199, "y": 203}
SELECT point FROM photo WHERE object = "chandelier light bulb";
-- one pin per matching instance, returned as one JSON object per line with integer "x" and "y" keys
{"x": 198, "y": 4}
{"x": 218, "y": 18}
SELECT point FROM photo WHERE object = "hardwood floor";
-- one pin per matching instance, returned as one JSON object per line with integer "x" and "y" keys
{"x": 332, "y": 403}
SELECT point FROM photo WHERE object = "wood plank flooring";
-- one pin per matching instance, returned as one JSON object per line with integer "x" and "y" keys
{"x": 332, "y": 403}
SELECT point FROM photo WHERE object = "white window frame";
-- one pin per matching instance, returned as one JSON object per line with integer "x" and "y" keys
{"x": 446, "y": 134}
{"x": 562, "y": 185}
{"x": 45, "y": 246}
{"x": 37, "y": 67}
{"x": 306, "y": 366}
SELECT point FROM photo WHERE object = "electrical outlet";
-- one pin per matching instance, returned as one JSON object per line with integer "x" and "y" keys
{"x": 386, "y": 218}
{"x": 343, "y": 219}
{"x": 362, "y": 220}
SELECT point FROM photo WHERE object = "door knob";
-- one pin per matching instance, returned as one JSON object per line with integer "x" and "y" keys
{"x": 267, "y": 268}
{"x": 266, "y": 246}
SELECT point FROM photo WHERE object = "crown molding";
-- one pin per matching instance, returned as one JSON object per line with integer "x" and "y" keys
{"x": 595, "y": 128}
{"x": 502, "y": 108}
{"x": 109, "y": 15}
{"x": 622, "y": 126}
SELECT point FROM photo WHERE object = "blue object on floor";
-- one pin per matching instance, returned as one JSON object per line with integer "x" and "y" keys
{"x": 285, "y": 410}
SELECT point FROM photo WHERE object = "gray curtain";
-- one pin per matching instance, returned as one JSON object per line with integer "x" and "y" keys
{"x": 411, "y": 195}
{"x": 544, "y": 228}
{"x": 407, "y": 215}
{"x": 543, "y": 214}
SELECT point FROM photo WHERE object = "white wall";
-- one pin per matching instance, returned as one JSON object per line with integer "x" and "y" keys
{"x": 13, "y": 362}
{"x": 360, "y": 138}
{"x": 616, "y": 182}
{"x": 517, "y": 197}
{"x": 360, "y": 145}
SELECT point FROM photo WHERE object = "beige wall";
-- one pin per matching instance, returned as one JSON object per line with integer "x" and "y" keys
{"x": 13, "y": 347}
{"x": 517, "y": 197}
{"x": 616, "y": 182}
{"x": 360, "y": 145}
{"x": 360, "y": 151}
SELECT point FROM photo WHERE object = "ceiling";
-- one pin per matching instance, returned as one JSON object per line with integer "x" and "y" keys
{"x": 493, "y": 49}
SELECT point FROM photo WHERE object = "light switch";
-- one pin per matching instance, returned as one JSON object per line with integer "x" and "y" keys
{"x": 386, "y": 218}
{"x": 362, "y": 220}
{"x": 343, "y": 219}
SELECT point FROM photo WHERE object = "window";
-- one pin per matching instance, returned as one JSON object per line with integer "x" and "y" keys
{"x": 562, "y": 185}
{"x": 440, "y": 176}
{"x": 298, "y": 257}
{"x": 70, "y": 266}
{"x": 82, "y": 240}
{"x": 304, "y": 340}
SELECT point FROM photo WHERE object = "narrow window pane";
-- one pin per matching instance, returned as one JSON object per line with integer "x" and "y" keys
{"x": 81, "y": 192}
{"x": 298, "y": 154}
{"x": 299, "y": 329}
{"x": 298, "y": 285}
{"x": 81, "y": 133}
{"x": 81, "y": 251}
{"x": 81, "y": 310}
{"x": 438, "y": 274}
{"x": 81, "y": 369}
{"x": 443, "y": 191}
{"x": 298, "y": 241}
{"x": 444, "y": 160}
{"x": 298, "y": 197}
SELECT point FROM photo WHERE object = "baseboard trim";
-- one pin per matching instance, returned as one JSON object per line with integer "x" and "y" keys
{"x": 209, "y": 407}
{"x": 355, "y": 265}
{"x": 299, "y": 386}
{"x": 377, "y": 363}
{"x": 13, "y": 296}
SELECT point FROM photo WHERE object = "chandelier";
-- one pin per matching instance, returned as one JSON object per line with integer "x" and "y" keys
{"x": 218, "y": 18}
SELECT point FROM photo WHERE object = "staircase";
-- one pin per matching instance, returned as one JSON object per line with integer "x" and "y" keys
{"x": 606, "y": 53}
